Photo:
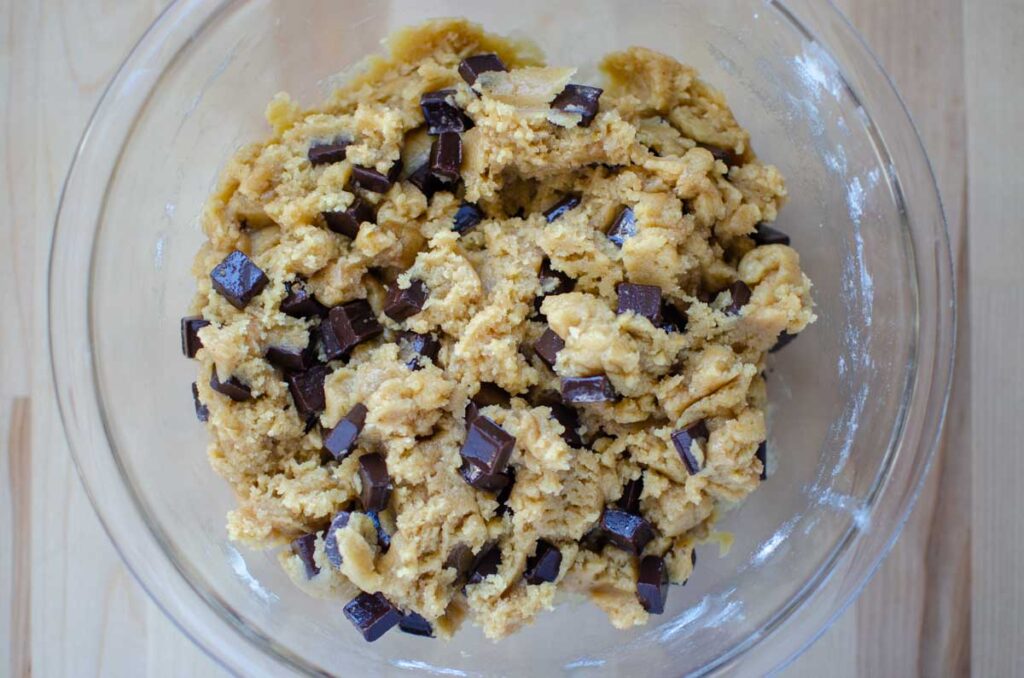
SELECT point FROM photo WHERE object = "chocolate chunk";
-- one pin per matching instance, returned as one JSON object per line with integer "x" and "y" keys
{"x": 728, "y": 156}
{"x": 684, "y": 439}
{"x": 307, "y": 389}
{"x": 643, "y": 300}
{"x": 486, "y": 564}
{"x": 404, "y": 303}
{"x": 480, "y": 479}
{"x": 652, "y": 584}
{"x": 766, "y": 235}
{"x": 446, "y": 157}
{"x": 190, "y": 341}
{"x": 706, "y": 296}
{"x": 740, "y": 296}
{"x": 559, "y": 209}
{"x": 325, "y": 153}
{"x": 487, "y": 446}
{"x": 348, "y": 221}
{"x": 372, "y": 614}
{"x": 588, "y": 390}
{"x": 340, "y": 440}
{"x": 383, "y": 538}
{"x": 467, "y": 216}
{"x": 762, "y": 456}
{"x": 579, "y": 99}
{"x": 413, "y": 348}
{"x": 304, "y": 547}
{"x": 350, "y": 325}
{"x": 672, "y": 319}
{"x": 422, "y": 179}
{"x": 372, "y": 180}
{"x": 471, "y": 67}
{"x": 291, "y": 359}
{"x": 339, "y": 521}
{"x": 627, "y": 531}
{"x": 460, "y": 559}
{"x": 623, "y": 228}
{"x": 416, "y": 625}
{"x": 552, "y": 281}
{"x": 300, "y": 302}
{"x": 544, "y": 565}
{"x": 505, "y": 493}
{"x": 329, "y": 340}
{"x": 564, "y": 415}
{"x": 594, "y": 540}
{"x": 488, "y": 394}
{"x": 237, "y": 279}
{"x": 376, "y": 482}
{"x": 630, "y": 499}
{"x": 782, "y": 341}
{"x": 202, "y": 411}
{"x": 547, "y": 347}
{"x": 442, "y": 114}
{"x": 232, "y": 388}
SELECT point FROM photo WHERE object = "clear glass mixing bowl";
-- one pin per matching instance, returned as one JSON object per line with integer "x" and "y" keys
{"x": 856, "y": 403}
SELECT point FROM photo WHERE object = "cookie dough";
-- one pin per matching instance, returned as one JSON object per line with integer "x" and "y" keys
{"x": 455, "y": 370}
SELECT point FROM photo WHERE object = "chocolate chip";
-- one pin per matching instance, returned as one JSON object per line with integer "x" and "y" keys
{"x": 422, "y": 179}
{"x": 652, "y": 584}
{"x": 505, "y": 493}
{"x": 547, "y": 347}
{"x": 684, "y": 439}
{"x": 672, "y": 319}
{"x": 487, "y": 445}
{"x": 304, "y": 547}
{"x": 480, "y": 479}
{"x": 416, "y": 625}
{"x": 202, "y": 411}
{"x": 190, "y": 341}
{"x": 579, "y": 99}
{"x": 762, "y": 455}
{"x": 466, "y": 217}
{"x": 413, "y": 348}
{"x": 559, "y": 209}
{"x": 383, "y": 538}
{"x": 552, "y": 281}
{"x": 630, "y": 499}
{"x": 766, "y": 235}
{"x": 348, "y": 221}
{"x": 372, "y": 614}
{"x": 339, "y": 521}
{"x": 627, "y": 531}
{"x": 340, "y": 440}
{"x": 643, "y": 300}
{"x": 404, "y": 303}
{"x": 232, "y": 388}
{"x": 623, "y": 228}
{"x": 300, "y": 302}
{"x": 372, "y": 180}
{"x": 588, "y": 390}
{"x": 486, "y": 564}
{"x": 237, "y": 279}
{"x": 460, "y": 559}
{"x": 564, "y": 415}
{"x": 350, "y": 325}
{"x": 544, "y": 565}
{"x": 782, "y": 341}
{"x": 471, "y": 67}
{"x": 291, "y": 359}
{"x": 376, "y": 482}
{"x": 446, "y": 157}
{"x": 488, "y": 394}
{"x": 740, "y": 296}
{"x": 594, "y": 540}
{"x": 325, "y": 153}
{"x": 307, "y": 389}
{"x": 442, "y": 114}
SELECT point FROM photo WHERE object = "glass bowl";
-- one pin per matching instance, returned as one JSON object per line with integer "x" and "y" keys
{"x": 856, "y": 403}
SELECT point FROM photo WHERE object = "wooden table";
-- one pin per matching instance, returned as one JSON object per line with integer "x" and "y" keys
{"x": 69, "y": 607}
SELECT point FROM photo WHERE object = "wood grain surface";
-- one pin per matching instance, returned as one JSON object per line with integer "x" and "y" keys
{"x": 69, "y": 608}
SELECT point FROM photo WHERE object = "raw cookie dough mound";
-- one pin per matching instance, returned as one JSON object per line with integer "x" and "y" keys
{"x": 472, "y": 333}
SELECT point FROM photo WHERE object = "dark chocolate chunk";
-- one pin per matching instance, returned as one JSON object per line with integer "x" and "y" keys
{"x": 559, "y": 209}
{"x": 726, "y": 155}
{"x": 383, "y": 538}
{"x": 202, "y": 411}
{"x": 325, "y": 153}
{"x": 416, "y": 625}
{"x": 442, "y": 114}
{"x": 627, "y": 531}
{"x": 404, "y": 303}
{"x": 190, "y": 341}
{"x": 291, "y": 359}
{"x": 505, "y": 493}
{"x": 329, "y": 340}
{"x": 372, "y": 180}
{"x": 652, "y": 584}
{"x": 480, "y": 479}
{"x": 643, "y": 300}
{"x": 467, "y": 216}
{"x": 307, "y": 389}
{"x": 579, "y": 99}
{"x": 740, "y": 296}
{"x": 564, "y": 415}
{"x": 232, "y": 388}
{"x": 547, "y": 347}
{"x": 339, "y": 521}
{"x": 684, "y": 439}
{"x": 766, "y": 235}
{"x": 350, "y": 325}
{"x": 630, "y": 499}
{"x": 552, "y": 281}
{"x": 706, "y": 296}
{"x": 471, "y": 67}
{"x": 782, "y": 341}
{"x": 487, "y": 445}
{"x": 460, "y": 559}
{"x": 588, "y": 390}
{"x": 446, "y": 157}
{"x": 488, "y": 394}
{"x": 672, "y": 319}
{"x": 348, "y": 221}
{"x": 413, "y": 348}
{"x": 237, "y": 279}
{"x": 623, "y": 228}
{"x": 422, "y": 179}
{"x": 762, "y": 456}
{"x": 376, "y": 482}
{"x": 304, "y": 547}
{"x": 544, "y": 565}
{"x": 372, "y": 614}
{"x": 486, "y": 564}
{"x": 340, "y": 440}
{"x": 300, "y": 302}
{"x": 594, "y": 540}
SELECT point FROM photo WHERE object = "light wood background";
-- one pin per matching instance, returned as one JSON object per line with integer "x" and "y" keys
{"x": 950, "y": 597}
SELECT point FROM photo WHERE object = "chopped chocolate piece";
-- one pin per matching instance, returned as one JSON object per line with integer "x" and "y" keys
{"x": 623, "y": 228}
{"x": 547, "y": 347}
{"x": 487, "y": 445}
{"x": 552, "y": 281}
{"x": 564, "y": 415}
{"x": 588, "y": 390}
{"x": 766, "y": 235}
{"x": 544, "y": 565}
{"x": 726, "y": 155}
{"x": 579, "y": 99}
{"x": 340, "y": 440}
{"x": 383, "y": 538}
{"x": 237, "y": 279}
{"x": 372, "y": 180}
{"x": 329, "y": 340}
{"x": 404, "y": 303}
{"x": 442, "y": 114}
{"x": 488, "y": 394}
{"x": 325, "y": 153}
{"x": 782, "y": 341}
{"x": 416, "y": 625}
{"x": 630, "y": 499}
{"x": 652, "y": 584}
{"x": 190, "y": 341}
{"x": 202, "y": 411}
{"x": 625, "y": 530}
{"x": 558, "y": 210}
{"x": 300, "y": 302}
{"x": 467, "y": 216}
{"x": 762, "y": 456}
{"x": 232, "y": 388}
{"x": 486, "y": 564}
{"x": 304, "y": 547}
{"x": 706, "y": 296}
{"x": 376, "y": 482}
{"x": 291, "y": 359}
{"x": 307, "y": 389}
{"x": 351, "y": 324}
{"x": 422, "y": 179}
{"x": 460, "y": 559}
{"x": 372, "y": 614}
{"x": 594, "y": 540}
{"x": 740, "y": 296}
{"x": 413, "y": 348}
{"x": 446, "y": 157}
{"x": 672, "y": 319}
{"x": 339, "y": 521}
{"x": 480, "y": 479}
{"x": 643, "y": 300}
{"x": 684, "y": 439}
{"x": 471, "y": 67}
{"x": 348, "y": 221}
{"x": 505, "y": 493}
